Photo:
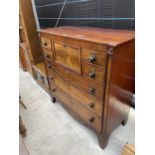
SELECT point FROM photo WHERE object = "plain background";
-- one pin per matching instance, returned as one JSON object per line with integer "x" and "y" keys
{"x": 145, "y": 77}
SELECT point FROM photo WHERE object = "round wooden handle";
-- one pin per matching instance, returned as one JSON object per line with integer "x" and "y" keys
{"x": 91, "y": 90}
{"x": 45, "y": 43}
{"x": 49, "y": 66}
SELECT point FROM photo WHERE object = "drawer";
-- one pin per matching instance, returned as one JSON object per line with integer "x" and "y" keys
{"x": 91, "y": 103}
{"x": 46, "y": 43}
{"x": 68, "y": 56}
{"x": 93, "y": 73}
{"x": 91, "y": 119}
{"x": 94, "y": 57}
{"x": 47, "y": 54}
{"x": 62, "y": 84}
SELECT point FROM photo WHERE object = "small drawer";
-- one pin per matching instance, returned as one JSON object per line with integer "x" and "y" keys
{"x": 91, "y": 103}
{"x": 47, "y": 54}
{"x": 94, "y": 57}
{"x": 45, "y": 42}
{"x": 93, "y": 73}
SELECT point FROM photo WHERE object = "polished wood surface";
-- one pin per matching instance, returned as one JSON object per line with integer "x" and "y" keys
{"x": 91, "y": 71}
{"x": 103, "y": 36}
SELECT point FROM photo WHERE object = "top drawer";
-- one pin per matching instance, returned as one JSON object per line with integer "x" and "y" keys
{"x": 67, "y": 56}
{"x": 94, "y": 57}
{"x": 45, "y": 42}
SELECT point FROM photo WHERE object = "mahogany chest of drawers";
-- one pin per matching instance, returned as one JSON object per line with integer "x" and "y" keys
{"x": 91, "y": 71}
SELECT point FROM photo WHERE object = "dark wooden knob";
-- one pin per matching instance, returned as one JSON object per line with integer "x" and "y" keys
{"x": 53, "y": 90}
{"x": 91, "y": 105}
{"x": 92, "y": 58}
{"x": 91, "y": 90}
{"x": 91, "y": 74}
{"x": 49, "y": 66}
{"x": 51, "y": 78}
{"x": 47, "y": 56}
{"x": 91, "y": 120}
{"x": 45, "y": 43}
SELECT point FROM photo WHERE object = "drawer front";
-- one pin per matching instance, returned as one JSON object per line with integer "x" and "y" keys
{"x": 85, "y": 114}
{"x": 68, "y": 56}
{"x": 47, "y": 54}
{"x": 93, "y": 73}
{"x": 46, "y": 43}
{"x": 94, "y": 57}
{"x": 91, "y": 103}
{"x": 60, "y": 83}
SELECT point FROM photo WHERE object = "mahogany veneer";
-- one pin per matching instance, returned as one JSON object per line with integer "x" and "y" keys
{"x": 91, "y": 71}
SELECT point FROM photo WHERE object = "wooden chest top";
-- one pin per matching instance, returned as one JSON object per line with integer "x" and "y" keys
{"x": 96, "y": 35}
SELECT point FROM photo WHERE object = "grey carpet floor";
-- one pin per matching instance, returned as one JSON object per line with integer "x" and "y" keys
{"x": 52, "y": 131}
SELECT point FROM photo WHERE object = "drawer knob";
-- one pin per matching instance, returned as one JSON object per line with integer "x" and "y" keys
{"x": 49, "y": 66}
{"x": 53, "y": 90}
{"x": 91, "y": 105}
{"x": 92, "y": 58}
{"x": 91, "y": 90}
{"x": 91, "y": 120}
{"x": 51, "y": 78}
{"x": 47, "y": 56}
{"x": 45, "y": 43}
{"x": 91, "y": 74}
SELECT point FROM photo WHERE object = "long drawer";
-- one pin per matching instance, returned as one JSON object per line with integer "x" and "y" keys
{"x": 91, "y": 119}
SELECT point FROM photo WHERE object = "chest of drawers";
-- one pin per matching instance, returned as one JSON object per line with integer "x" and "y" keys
{"x": 91, "y": 71}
